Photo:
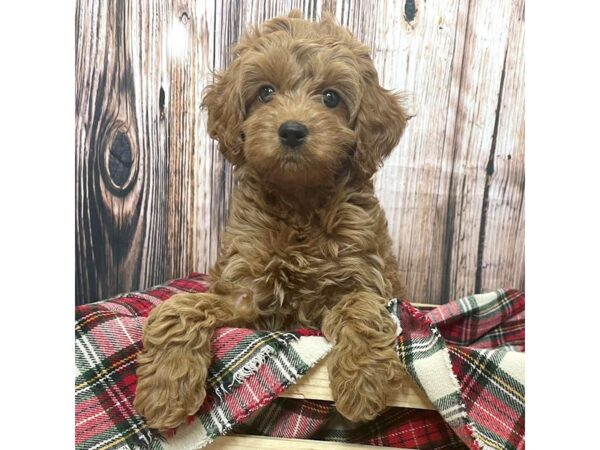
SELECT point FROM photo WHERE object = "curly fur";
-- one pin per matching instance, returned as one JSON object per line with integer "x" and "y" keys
{"x": 307, "y": 242}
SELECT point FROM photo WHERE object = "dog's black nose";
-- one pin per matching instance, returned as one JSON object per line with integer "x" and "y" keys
{"x": 292, "y": 134}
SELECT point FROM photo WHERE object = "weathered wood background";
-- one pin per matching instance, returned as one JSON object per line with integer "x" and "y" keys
{"x": 152, "y": 190}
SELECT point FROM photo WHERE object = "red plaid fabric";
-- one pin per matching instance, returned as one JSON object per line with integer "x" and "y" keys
{"x": 249, "y": 369}
{"x": 468, "y": 358}
{"x": 107, "y": 341}
{"x": 467, "y": 324}
{"x": 477, "y": 388}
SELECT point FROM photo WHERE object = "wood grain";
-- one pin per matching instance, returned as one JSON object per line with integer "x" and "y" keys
{"x": 111, "y": 218}
{"x": 480, "y": 87}
{"x": 414, "y": 184}
{"x": 152, "y": 192}
{"x": 140, "y": 70}
{"x": 503, "y": 253}
{"x": 315, "y": 386}
{"x": 247, "y": 442}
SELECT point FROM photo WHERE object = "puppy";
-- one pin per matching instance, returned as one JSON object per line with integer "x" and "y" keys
{"x": 302, "y": 117}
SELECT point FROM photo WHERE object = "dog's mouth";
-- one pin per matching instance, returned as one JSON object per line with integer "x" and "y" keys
{"x": 293, "y": 166}
{"x": 292, "y": 158}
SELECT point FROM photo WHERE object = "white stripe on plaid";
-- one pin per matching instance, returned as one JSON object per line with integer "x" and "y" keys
{"x": 434, "y": 374}
{"x": 513, "y": 364}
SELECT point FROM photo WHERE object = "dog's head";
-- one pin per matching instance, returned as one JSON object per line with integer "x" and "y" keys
{"x": 301, "y": 102}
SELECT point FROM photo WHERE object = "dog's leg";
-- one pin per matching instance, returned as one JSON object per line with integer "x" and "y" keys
{"x": 173, "y": 365}
{"x": 363, "y": 365}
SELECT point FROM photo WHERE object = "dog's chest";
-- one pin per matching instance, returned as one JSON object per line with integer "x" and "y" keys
{"x": 298, "y": 277}
{"x": 297, "y": 257}
{"x": 299, "y": 266}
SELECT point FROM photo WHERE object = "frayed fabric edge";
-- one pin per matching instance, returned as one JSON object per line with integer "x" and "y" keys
{"x": 312, "y": 358}
{"x": 463, "y": 409}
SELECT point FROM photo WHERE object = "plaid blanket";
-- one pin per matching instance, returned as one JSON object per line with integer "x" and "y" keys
{"x": 481, "y": 401}
{"x": 468, "y": 356}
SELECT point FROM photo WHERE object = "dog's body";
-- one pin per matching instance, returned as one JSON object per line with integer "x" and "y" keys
{"x": 303, "y": 118}
{"x": 299, "y": 255}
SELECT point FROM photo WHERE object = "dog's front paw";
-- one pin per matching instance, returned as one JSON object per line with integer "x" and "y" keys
{"x": 361, "y": 382}
{"x": 170, "y": 387}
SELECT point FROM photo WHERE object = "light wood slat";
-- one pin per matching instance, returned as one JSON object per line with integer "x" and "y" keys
{"x": 224, "y": 32}
{"x": 245, "y": 442}
{"x": 315, "y": 386}
{"x": 424, "y": 305}
{"x": 503, "y": 259}
{"x": 472, "y": 146}
{"x": 210, "y": 192}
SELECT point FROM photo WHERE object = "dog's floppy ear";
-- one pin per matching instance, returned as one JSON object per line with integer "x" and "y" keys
{"x": 295, "y": 14}
{"x": 225, "y": 106}
{"x": 379, "y": 125}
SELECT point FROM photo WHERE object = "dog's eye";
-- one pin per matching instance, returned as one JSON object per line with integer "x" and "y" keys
{"x": 265, "y": 93}
{"x": 331, "y": 99}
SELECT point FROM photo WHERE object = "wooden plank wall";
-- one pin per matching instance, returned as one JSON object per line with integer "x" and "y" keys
{"x": 152, "y": 190}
